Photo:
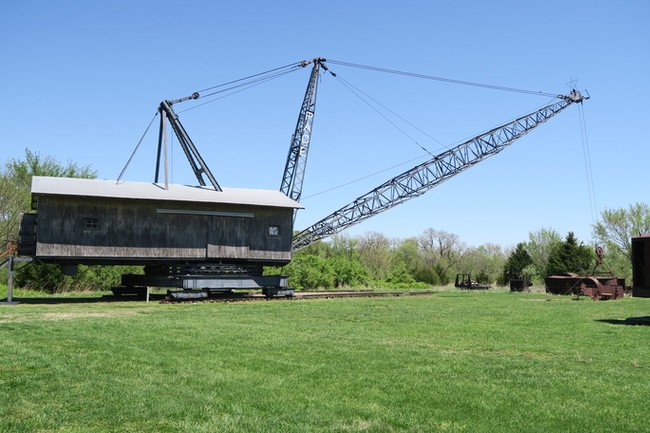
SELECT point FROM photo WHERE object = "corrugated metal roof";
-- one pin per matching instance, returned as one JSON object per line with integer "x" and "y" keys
{"x": 151, "y": 191}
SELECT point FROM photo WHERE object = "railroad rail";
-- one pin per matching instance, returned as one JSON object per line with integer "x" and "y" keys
{"x": 305, "y": 295}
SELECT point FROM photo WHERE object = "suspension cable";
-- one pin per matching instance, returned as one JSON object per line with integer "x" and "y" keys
{"x": 246, "y": 84}
{"x": 591, "y": 192}
{"x": 233, "y": 90}
{"x": 289, "y": 66}
{"x": 364, "y": 97}
{"x": 442, "y": 79}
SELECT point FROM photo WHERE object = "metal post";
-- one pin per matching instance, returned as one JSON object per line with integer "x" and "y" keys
{"x": 164, "y": 116}
{"x": 10, "y": 280}
{"x": 10, "y": 284}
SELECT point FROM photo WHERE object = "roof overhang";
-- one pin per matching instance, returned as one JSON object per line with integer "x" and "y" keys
{"x": 64, "y": 186}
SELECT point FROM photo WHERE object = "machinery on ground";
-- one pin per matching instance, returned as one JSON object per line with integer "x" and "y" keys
{"x": 598, "y": 288}
{"x": 464, "y": 281}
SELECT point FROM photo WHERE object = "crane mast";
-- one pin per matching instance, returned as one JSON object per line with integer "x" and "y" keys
{"x": 294, "y": 171}
{"x": 431, "y": 173}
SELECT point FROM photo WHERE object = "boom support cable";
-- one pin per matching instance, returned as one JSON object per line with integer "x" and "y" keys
{"x": 442, "y": 79}
{"x": 233, "y": 90}
{"x": 291, "y": 66}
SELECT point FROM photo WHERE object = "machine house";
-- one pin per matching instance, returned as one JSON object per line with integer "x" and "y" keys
{"x": 89, "y": 221}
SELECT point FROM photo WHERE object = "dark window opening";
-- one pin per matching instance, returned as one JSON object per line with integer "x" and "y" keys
{"x": 91, "y": 223}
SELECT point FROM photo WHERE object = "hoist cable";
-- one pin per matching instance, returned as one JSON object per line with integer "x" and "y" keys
{"x": 591, "y": 192}
{"x": 442, "y": 79}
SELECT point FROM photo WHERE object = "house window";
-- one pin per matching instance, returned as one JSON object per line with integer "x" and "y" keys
{"x": 273, "y": 231}
{"x": 91, "y": 223}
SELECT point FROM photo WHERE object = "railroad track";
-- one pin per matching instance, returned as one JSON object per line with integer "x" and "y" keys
{"x": 256, "y": 296}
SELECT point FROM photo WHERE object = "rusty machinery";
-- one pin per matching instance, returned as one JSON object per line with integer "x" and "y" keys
{"x": 597, "y": 288}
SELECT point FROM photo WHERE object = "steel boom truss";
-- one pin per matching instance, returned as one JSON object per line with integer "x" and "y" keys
{"x": 431, "y": 173}
{"x": 294, "y": 171}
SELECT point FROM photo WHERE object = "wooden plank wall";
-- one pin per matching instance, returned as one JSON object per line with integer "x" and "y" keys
{"x": 126, "y": 229}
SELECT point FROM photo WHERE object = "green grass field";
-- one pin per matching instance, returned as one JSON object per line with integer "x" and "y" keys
{"x": 447, "y": 362}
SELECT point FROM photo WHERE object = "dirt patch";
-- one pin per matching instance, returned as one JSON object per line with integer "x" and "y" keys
{"x": 66, "y": 315}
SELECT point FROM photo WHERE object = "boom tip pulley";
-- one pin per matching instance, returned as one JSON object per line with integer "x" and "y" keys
{"x": 575, "y": 96}
{"x": 319, "y": 60}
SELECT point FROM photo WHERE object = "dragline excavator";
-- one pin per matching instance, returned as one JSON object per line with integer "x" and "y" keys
{"x": 215, "y": 238}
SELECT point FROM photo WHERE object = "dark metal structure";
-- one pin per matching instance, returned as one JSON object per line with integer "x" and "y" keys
{"x": 199, "y": 167}
{"x": 518, "y": 283}
{"x": 431, "y": 173}
{"x": 641, "y": 266}
{"x": 597, "y": 288}
{"x": 464, "y": 281}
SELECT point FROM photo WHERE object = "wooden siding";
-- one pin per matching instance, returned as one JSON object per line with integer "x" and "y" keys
{"x": 129, "y": 231}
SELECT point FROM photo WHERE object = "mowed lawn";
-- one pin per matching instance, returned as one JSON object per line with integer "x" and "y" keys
{"x": 447, "y": 362}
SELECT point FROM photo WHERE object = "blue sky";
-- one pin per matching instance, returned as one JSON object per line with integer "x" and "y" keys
{"x": 81, "y": 81}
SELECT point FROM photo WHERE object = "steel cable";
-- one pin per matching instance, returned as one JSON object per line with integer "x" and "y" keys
{"x": 442, "y": 79}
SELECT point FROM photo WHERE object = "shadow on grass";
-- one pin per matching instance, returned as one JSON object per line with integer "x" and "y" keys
{"x": 633, "y": 321}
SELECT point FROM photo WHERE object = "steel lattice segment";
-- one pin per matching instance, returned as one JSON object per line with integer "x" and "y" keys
{"x": 431, "y": 173}
{"x": 294, "y": 170}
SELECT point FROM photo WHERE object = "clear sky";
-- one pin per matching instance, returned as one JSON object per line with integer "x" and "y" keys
{"x": 82, "y": 79}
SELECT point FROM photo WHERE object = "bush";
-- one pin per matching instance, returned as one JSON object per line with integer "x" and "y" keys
{"x": 310, "y": 272}
{"x": 50, "y": 278}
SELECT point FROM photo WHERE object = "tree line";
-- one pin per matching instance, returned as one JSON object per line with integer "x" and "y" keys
{"x": 432, "y": 258}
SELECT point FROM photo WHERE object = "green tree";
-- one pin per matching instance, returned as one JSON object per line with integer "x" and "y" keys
{"x": 15, "y": 186}
{"x": 570, "y": 256}
{"x": 539, "y": 246}
{"x": 375, "y": 254}
{"x": 310, "y": 272}
{"x": 441, "y": 251}
{"x": 485, "y": 262}
{"x": 406, "y": 252}
{"x": 618, "y": 226}
{"x": 12, "y": 204}
{"x": 517, "y": 261}
{"x": 345, "y": 261}
{"x": 400, "y": 276}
